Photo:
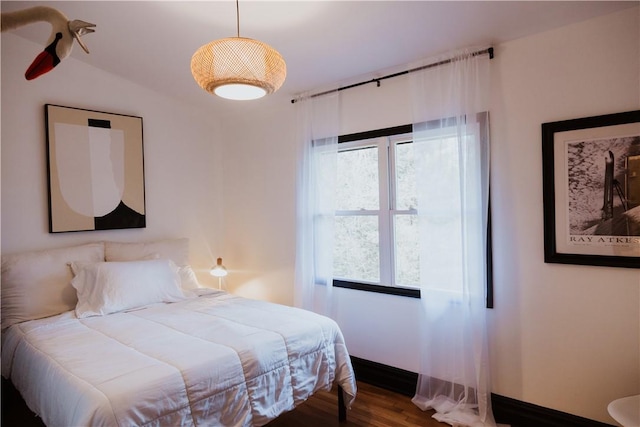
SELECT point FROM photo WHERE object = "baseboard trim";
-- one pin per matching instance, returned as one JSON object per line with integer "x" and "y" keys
{"x": 385, "y": 376}
{"x": 506, "y": 410}
{"x": 523, "y": 414}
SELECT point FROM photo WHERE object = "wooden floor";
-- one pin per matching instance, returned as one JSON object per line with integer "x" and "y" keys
{"x": 373, "y": 407}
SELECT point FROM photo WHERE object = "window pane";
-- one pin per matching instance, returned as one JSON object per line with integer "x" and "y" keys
{"x": 407, "y": 250}
{"x": 405, "y": 177}
{"x": 356, "y": 255}
{"x": 358, "y": 179}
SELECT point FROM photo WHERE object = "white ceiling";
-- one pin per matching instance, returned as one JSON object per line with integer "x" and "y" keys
{"x": 322, "y": 42}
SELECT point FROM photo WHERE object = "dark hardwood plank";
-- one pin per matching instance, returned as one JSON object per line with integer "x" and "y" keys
{"x": 373, "y": 407}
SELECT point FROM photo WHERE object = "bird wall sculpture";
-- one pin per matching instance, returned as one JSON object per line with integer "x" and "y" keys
{"x": 60, "y": 43}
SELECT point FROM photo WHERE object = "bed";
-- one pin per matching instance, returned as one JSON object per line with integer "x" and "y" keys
{"x": 136, "y": 341}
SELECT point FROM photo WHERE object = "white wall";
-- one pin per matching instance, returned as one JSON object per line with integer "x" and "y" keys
{"x": 566, "y": 337}
{"x": 181, "y": 155}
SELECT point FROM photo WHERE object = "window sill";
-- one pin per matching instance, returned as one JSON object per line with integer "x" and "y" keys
{"x": 388, "y": 290}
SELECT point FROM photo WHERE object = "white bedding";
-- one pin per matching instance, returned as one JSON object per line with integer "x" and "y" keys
{"x": 214, "y": 360}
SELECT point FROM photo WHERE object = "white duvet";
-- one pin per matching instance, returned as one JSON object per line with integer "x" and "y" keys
{"x": 215, "y": 360}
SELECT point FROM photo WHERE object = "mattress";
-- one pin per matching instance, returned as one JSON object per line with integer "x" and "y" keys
{"x": 215, "y": 360}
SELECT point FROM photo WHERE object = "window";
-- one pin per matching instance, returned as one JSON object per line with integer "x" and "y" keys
{"x": 376, "y": 245}
{"x": 376, "y": 225}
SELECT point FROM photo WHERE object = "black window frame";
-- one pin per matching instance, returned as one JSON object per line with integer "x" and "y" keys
{"x": 399, "y": 290}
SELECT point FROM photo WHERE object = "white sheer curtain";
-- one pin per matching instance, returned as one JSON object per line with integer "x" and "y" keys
{"x": 318, "y": 127}
{"x": 450, "y": 104}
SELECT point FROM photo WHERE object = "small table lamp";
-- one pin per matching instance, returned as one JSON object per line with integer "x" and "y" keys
{"x": 219, "y": 271}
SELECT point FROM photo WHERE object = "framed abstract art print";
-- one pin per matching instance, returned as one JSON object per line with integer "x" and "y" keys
{"x": 95, "y": 165}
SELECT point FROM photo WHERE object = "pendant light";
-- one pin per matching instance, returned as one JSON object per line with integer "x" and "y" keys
{"x": 237, "y": 67}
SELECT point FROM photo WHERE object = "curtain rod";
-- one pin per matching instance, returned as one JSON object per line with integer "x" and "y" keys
{"x": 377, "y": 80}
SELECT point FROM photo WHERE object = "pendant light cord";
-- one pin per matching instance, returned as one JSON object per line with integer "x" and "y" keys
{"x": 238, "y": 17}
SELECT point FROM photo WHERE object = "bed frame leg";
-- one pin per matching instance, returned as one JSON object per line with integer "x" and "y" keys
{"x": 342, "y": 410}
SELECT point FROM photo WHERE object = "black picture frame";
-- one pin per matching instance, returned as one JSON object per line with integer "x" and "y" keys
{"x": 95, "y": 170}
{"x": 579, "y": 166}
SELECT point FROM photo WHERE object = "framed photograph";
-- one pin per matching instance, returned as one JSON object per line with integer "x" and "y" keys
{"x": 95, "y": 168}
{"x": 591, "y": 190}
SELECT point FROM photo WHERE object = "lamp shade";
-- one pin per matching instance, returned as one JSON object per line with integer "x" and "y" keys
{"x": 238, "y": 68}
{"x": 218, "y": 270}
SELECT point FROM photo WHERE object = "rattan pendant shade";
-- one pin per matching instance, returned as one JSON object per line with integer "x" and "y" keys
{"x": 238, "y": 68}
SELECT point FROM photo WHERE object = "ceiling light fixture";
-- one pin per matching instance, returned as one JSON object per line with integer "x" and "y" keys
{"x": 238, "y": 67}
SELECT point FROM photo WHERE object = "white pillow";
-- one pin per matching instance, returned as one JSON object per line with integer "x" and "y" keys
{"x": 109, "y": 287}
{"x": 37, "y": 284}
{"x": 188, "y": 279}
{"x": 177, "y": 250}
